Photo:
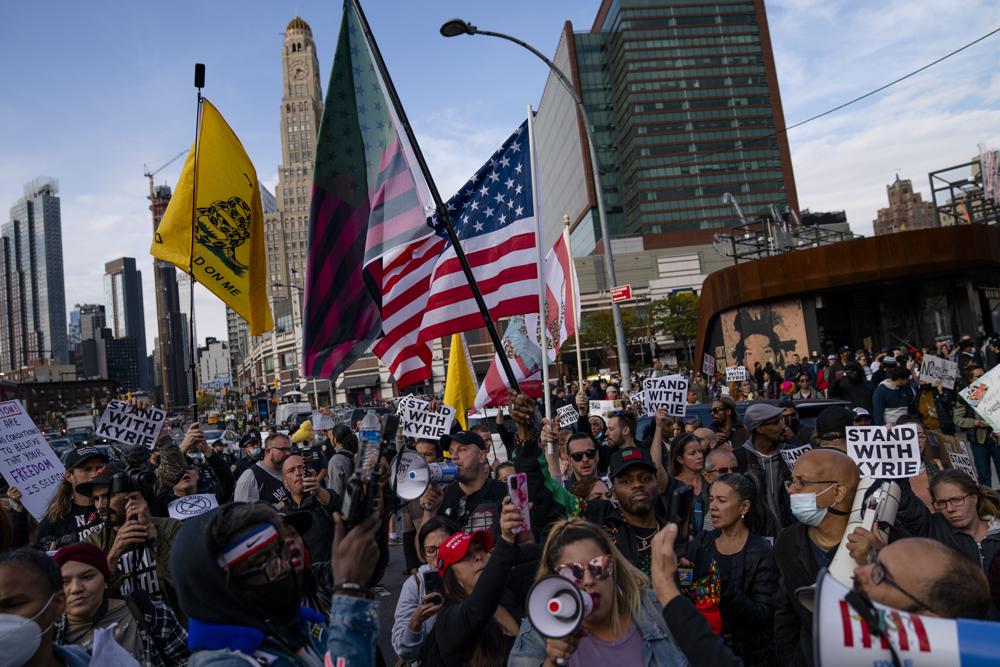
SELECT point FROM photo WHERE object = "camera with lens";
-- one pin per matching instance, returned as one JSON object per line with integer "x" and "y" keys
{"x": 132, "y": 480}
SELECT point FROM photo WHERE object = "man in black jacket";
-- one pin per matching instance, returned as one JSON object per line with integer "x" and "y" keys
{"x": 822, "y": 489}
{"x": 853, "y": 387}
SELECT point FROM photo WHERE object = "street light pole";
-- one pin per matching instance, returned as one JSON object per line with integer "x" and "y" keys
{"x": 456, "y": 27}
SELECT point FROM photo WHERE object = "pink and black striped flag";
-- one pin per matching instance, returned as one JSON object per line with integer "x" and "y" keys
{"x": 425, "y": 294}
{"x": 369, "y": 199}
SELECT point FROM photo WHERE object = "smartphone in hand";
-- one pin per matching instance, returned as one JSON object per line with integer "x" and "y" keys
{"x": 517, "y": 485}
{"x": 433, "y": 583}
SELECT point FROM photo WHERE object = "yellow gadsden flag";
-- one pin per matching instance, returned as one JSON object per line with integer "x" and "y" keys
{"x": 460, "y": 385}
{"x": 227, "y": 255}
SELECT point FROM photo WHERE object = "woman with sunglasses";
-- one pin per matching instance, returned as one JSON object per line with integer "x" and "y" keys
{"x": 625, "y": 626}
{"x": 967, "y": 518}
{"x": 803, "y": 389}
{"x": 747, "y": 569}
{"x": 482, "y": 609}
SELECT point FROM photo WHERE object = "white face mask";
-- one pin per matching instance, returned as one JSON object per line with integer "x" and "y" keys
{"x": 803, "y": 506}
{"x": 21, "y": 637}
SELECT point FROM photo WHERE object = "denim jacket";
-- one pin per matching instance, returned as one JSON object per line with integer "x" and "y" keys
{"x": 350, "y": 635}
{"x": 658, "y": 646}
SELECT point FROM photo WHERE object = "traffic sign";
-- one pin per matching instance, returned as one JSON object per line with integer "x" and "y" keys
{"x": 621, "y": 293}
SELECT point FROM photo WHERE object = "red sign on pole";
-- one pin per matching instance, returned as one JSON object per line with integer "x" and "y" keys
{"x": 621, "y": 293}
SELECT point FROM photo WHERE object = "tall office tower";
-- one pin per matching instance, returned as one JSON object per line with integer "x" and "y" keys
{"x": 32, "y": 286}
{"x": 170, "y": 321}
{"x": 287, "y": 228}
{"x": 684, "y": 100}
{"x": 124, "y": 308}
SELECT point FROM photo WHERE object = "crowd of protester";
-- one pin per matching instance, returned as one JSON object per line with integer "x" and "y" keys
{"x": 275, "y": 575}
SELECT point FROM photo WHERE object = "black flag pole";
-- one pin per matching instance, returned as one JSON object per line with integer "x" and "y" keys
{"x": 442, "y": 211}
{"x": 199, "y": 83}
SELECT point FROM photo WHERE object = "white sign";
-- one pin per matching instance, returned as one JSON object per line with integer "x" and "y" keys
{"x": 322, "y": 422}
{"x": 736, "y": 373}
{"x": 708, "y": 365}
{"x": 189, "y": 506}
{"x": 935, "y": 368}
{"x": 792, "y": 455}
{"x": 984, "y": 397}
{"x": 420, "y": 422}
{"x": 604, "y": 408}
{"x": 568, "y": 416}
{"x": 884, "y": 453}
{"x": 667, "y": 392}
{"x": 27, "y": 461}
{"x": 638, "y": 400}
{"x": 962, "y": 461}
{"x": 125, "y": 424}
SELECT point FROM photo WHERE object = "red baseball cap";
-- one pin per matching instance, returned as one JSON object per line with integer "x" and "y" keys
{"x": 455, "y": 547}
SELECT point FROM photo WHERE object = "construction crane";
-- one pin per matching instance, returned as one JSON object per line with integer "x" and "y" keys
{"x": 149, "y": 174}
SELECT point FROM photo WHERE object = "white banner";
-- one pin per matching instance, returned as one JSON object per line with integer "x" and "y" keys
{"x": 568, "y": 416}
{"x": 667, "y": 392}
{"x": 736, "y": 373}
{"x": 420, "y": 422}
{"x": 885, "y": 453}
{"x": 604, "y": 408}
{"x": 189, "y": 506}
{"x": 127, "y": 425}
{"x": 27, "y": 461}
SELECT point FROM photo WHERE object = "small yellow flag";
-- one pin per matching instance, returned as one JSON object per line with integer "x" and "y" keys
{"x": 460, "y": 384}
{"x": 227, "y": 256}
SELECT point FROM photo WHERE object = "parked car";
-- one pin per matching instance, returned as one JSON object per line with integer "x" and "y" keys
{"x": 61, "y": 445}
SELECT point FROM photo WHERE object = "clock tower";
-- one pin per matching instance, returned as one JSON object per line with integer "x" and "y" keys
{"x": 287, "y": 230}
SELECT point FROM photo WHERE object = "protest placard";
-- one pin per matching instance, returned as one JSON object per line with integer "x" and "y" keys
{"x": 130, "y": 426}
{"x": 322, "y": 422}
{"x": 708, "y": 365}
{"x": 790, "y": 456}
{"x": 568, "y": 416}
{"x": 983, "y": 395}
{"x": 421, "y": 422}
{"x": 638, "y": 401}
{"x": 189, "y": 506}
{"x": 935, "y": 368}
{"x": 884, "y": 453}
{"x": 667, "y": 392}
{"x": 27, "y": 461}
{"x": 736, "y": 373}
{"x": 604, "y": 408}
{"x": 962, "y": 461}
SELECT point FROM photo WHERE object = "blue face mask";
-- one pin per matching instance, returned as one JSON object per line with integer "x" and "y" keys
{"x": 804, "y": 507}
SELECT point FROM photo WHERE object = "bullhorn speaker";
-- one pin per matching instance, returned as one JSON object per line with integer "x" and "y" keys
{"x": 842, "y": 636}
{"x": 411, "y": 475}
{"x": 556, "y": 607}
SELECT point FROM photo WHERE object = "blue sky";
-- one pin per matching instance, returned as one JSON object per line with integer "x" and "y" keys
{"x": 95, "y": 90}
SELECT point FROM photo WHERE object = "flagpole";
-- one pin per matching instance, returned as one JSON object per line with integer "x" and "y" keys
{"x": 543, "y": 320}
{"x": 576, "y": 301}
{"x": 442, "y": 211}
{"x": 199, "y": 83}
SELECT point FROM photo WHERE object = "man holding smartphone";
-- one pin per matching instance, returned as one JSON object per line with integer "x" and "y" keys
{"x": 306, "y": 494}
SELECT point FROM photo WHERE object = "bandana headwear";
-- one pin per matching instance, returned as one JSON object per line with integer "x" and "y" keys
{"x": 248, "y": 544}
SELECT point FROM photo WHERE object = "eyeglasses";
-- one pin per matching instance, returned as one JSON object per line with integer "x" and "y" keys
{"x": 600, "y": 568}
{"x": 956, "y": 502}
{"x": 799, "y": 483}
{"x": 271, "y": 569}
{"x": 879, "y": 574}
{"x": 590, "y": 454}
{"x": 724, "y": 470}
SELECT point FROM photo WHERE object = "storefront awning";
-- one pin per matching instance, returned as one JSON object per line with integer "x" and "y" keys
{"x": 357, "y": 381}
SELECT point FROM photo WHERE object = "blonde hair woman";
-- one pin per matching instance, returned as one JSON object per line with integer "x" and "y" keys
{"x": 626, "y": 624}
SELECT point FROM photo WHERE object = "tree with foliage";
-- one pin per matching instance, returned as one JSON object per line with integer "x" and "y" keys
{"x": 676, "y": 316}
{"x": 598, "y": 330}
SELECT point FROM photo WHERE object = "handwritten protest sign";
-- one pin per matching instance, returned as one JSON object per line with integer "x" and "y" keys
{"x": 790, "y": 456}
{"x": 736, "y": 373}
{"x": 639, "y": 402}
{"x": 604, "y": 408}
{"x": 27, "y": 461}
{"x": 568, "y": 416}
{"x": 666, "y": 392}
{"x": 421, "y": 422}
{"x": 962, "y": 461}
{"x": 935, "y": 368}
{"x": 984, "y": 397}
{"x": 322, "y": 422}
{"x": 884, "y": 453}
{"x": 708, "y": 365}
{"x": 189, "y": 506}
{"x": 128, "y": 425}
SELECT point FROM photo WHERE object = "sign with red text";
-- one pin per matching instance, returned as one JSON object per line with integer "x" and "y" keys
{"x": 621, "y": 293}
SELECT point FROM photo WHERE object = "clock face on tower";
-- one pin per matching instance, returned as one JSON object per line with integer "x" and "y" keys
{"x": 299, "y": 73}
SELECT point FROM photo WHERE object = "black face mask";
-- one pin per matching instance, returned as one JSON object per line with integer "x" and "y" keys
{"x": 280, "y": 598}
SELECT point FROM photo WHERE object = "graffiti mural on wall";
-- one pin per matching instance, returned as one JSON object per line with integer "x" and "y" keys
{"x": 771, "y": 332}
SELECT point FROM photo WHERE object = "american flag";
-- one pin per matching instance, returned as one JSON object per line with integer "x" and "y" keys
{"x": 425, "y": 294}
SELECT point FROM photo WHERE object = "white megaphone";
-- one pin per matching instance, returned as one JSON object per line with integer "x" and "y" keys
{"x": 411, "y": 475}
{"x": 842, "y": 636}
{"x": 875, "y": 502}
{"x": 556, "y": 607}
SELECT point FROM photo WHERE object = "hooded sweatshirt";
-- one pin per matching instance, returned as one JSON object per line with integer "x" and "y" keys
{"x": 890, "y": 403}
